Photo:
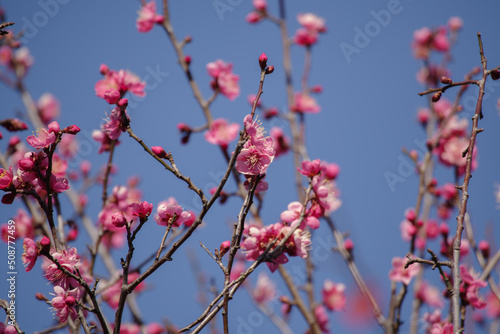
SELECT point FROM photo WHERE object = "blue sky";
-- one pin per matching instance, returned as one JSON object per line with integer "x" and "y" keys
{"x": 368, "y": 115}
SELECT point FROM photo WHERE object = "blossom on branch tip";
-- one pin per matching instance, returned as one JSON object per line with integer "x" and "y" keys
{"x": 148, "y": 17}
{"x": 42, "y": 139}
{"x": 257, "y": 153}
{"x": 398, "y": 272}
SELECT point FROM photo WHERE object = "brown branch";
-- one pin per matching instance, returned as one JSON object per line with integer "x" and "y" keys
{"x": 457, "y": 324}
{"x": 453, "y": 84}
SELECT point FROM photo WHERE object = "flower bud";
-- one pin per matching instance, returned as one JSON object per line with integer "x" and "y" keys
{"x": 436, "y": 96}
{"x": 71, "y": 130}
{"x": 159, "y": 151}
{"x": 112, "y": 96}
{"x": 484, "y": 247}
{"x": 118, "y": 219}
{"x": 263, "y": 61}
{"x": 41, "y": 297}
{"x": 104, "y": 69}
{"x": 349, "y": 245}
{"x": 123, "y": 103}
{"x": 54, "y": 127}
{"x": 45, "y": 243}
{"x": 270, "y": 69}
{"x": 445, "y": 80}
{"x": 224, "y": 247}
{"x": 495, "y": 75}
{"x": 187, "y": 59}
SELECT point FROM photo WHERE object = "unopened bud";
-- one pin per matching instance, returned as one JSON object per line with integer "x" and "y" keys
{"x": 159, "y": 151}
{"x": 270, "y": 69}
{"x": 41, "y": 297}
{"x": 187, "y": 59}
{"x": 224, "y": 247}
{"x": 54, "y": 127}
{"x": 445, "y": 80}
{"x": 484, "y": 247}
{"x": 103, "y": 69}
{"x": 414, "y": 155}
{"x": 45, "y": 243}
{"x": 436, "y": 96}
{"x": 123, "y": 103}
{"x": 349, "y": 245}
{"x": 263, "y": 61}
{"x": 495, "y": 75}
{"x": 188, "y": 39}
{"x": 71, "y": 130}
{"x": 118, "y": 219}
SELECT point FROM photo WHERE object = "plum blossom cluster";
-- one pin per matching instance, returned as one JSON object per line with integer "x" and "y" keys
{"x": 147, "y": 17}
{"x": 427, "y": 40}
{"x": 224, "y": 79}
{"x": 31, "y": 173}
{"x": 257, "y": 239}
{"x": 259, "y": 12}
{"x": 169, "y": 213}
{"x": 326, "y": 194}
{"x": 312, "y": 26}
{"x": 258, "y": 152}
{"x": 122, "y": 206}
{"x": 17, "y": 59}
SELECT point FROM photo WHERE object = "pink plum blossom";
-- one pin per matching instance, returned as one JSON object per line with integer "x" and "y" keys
{"x": 334, "y": 297}
{"x": 114, "y": 126}
{"x": 312, "y": 22}
{"x": 64, "y": 303}
{"x": 281, "y": 143}
{"x": 430, "y": 295}
{"x": 224, "y": 78}
{"x": 305, "y": 104}
{"x": 398, "y": 272}
{"x": 221, "y": 133}
{"x": 6, "y": 178}
{"x": 48, "y": 108}
{"x": 292, "y": 216}
{"x": 141, "y": 210}
{"x": 265, "y": 289}
{"x": 123, "y": 81}
{"x": 112, "y": 294}
{"x": 68, "y": 259}
{"x": 42, "y": 139}
{"x": 455, "y": 23}
{"x": 322, "y": 318}
{"x": 256, "y": 240}
{"x": 148, "y": 17}
{"x": 30, "y": 253}
{"x": 469, "y": 287}
{"x": 257, "y": 153}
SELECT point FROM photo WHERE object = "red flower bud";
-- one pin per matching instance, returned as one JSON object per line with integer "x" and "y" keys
{"x": 263, "y": 61}
{"x": 446, "y": 80}
{"x": 159, "y": 151}
{"x": 436, "y": 96}
{"x": 270, "y": 69}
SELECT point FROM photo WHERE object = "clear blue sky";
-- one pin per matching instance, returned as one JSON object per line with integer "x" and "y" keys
{"x": 368, "y": 114}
